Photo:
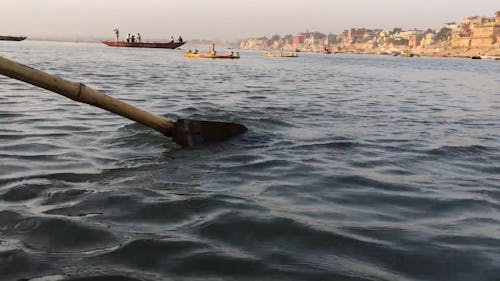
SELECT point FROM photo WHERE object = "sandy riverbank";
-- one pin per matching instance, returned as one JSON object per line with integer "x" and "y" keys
{"x": 441, "y": 51}
{"x": 454, "y": 52}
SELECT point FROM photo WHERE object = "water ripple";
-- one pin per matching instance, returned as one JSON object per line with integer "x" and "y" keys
{"x": 353, "y": 168}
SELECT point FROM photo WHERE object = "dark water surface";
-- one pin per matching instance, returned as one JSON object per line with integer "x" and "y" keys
{"x": 354, "y": 168}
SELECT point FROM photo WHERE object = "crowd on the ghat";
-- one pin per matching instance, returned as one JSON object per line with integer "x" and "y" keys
{"x": 132, "y": 38}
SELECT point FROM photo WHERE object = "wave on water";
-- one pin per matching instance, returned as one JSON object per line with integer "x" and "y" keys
{"x": 353, "y": 168}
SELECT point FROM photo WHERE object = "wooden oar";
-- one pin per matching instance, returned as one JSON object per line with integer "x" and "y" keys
{"x": 184, "y": 132}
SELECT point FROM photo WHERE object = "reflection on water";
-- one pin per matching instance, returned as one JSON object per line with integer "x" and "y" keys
{"x": 354, "y": 168}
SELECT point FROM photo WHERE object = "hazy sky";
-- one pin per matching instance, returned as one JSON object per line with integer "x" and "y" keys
{"x": 225, "y": 19}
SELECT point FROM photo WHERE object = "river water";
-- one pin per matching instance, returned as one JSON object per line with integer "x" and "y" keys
{"x": 354, "y": 168}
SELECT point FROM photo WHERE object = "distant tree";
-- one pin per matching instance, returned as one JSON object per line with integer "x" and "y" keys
{"x": 396, "y": 30}
{"x": 288, "y": 38}
{"x": 318, "y": 35}
{"x": 275, "y": 38}
{"x": 402, "y": 42}
{"x": 333, "y": 38}
{"x": 443, "y": 34}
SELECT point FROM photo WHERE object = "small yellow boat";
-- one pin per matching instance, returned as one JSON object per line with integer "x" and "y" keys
{"x": 280, "y": 55}
{"x": 213, "y": 55}
{"x": 407, "y": 53}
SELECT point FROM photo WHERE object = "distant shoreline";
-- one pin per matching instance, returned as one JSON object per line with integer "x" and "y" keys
{"x": 424, "y": 52}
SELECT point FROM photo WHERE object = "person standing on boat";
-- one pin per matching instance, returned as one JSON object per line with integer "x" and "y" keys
{"x": 139, "y": 37}
{"x": 117, "y": 32}
{"x": 180, "y": 39}
{"x": 212, "y": 49}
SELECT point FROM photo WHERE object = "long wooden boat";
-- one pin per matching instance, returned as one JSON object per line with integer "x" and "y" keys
{"x": 169, "y": 45}
{"x": 280, "y": 55}
{"x": 12, "y": 38}
{"x": 210, "y": 56}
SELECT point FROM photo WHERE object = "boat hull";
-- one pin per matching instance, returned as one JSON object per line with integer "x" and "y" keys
{"x": 157, "y": 45}
{"x": 12, "y": 38}
{"x": 210, "y": 56}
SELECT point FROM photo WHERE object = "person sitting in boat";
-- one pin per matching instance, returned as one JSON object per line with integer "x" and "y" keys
{"x": 139, "y": 37}
{"x": 189, "y": 51}
{"x": 128, "y": 38}
{"x": 180, "y": 39}
{"x": 171, "y": 39}
{"x": 195, "y": 51}
{"x": 212, "y": 50}
{"x": 132, "y": 38}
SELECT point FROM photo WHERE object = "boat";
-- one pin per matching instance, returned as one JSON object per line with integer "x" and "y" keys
{"x": 211, "y": 56}
{"x": 161, "y": 45}
{"x": 12, "y": 38}
{"x": 476, "y": 57}
{"x": 195, "y": 55}
{"x": 280, "y": 55}
{"x": 407, "y": 53}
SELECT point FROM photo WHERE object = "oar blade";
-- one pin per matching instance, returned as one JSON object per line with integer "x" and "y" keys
{"x": 188, "y": 132}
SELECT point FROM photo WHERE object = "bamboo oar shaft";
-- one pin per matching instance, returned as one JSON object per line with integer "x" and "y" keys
{"x": 81, "y": 93}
